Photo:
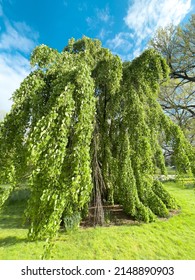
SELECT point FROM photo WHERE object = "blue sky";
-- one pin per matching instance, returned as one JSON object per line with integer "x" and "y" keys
{"x": 123, "y": 26}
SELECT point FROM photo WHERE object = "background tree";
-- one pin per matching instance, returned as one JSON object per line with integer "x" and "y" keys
{"x": 85, "y": 128}
{"x": 177, "y": 102}
{"x": 177, "y": 45}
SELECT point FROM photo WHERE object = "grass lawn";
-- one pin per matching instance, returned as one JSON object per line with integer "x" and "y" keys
{"x": 163, "y": 240}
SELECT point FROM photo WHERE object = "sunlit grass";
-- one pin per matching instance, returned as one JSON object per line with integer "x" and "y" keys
{"x": 164, "y": 239}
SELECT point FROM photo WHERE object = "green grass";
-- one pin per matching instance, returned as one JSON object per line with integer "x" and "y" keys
{"x": 165, "y": 239}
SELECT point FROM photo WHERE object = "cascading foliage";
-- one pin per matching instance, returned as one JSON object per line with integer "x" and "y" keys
{"x": 83, "y": 130}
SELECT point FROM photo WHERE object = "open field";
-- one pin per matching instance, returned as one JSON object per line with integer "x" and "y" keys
{"x": 165, "y": 239}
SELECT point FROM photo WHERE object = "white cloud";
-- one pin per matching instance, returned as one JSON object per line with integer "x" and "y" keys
{"x": 137, "y": 52}
{"x": 14, "y": 68}
{"x": 16, "y": 44}
{"x": 103, "y": 33}
{"x": 122, "y": 41}
{"x": 145, "y": 16}
{"x": 142, "y": 20}
{"x": 18, "y": 36}
{"x": 103, "y": 14}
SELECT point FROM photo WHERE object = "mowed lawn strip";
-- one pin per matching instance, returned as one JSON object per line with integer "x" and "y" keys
{"x": 167, "y": 239}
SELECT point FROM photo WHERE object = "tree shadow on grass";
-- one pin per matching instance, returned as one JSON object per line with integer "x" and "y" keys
{"x": 12, "y": 212}
{"x": 12, "y": 240}
{"x": 12, "y": 216}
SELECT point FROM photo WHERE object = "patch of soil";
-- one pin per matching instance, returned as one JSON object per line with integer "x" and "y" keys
{"x": 115, "y": 216}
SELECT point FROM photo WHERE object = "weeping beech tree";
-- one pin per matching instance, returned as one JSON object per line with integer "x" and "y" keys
{"x": 83, "y": 130}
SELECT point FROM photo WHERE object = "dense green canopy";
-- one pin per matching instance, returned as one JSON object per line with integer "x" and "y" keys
{"x": 83, "y": 130}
